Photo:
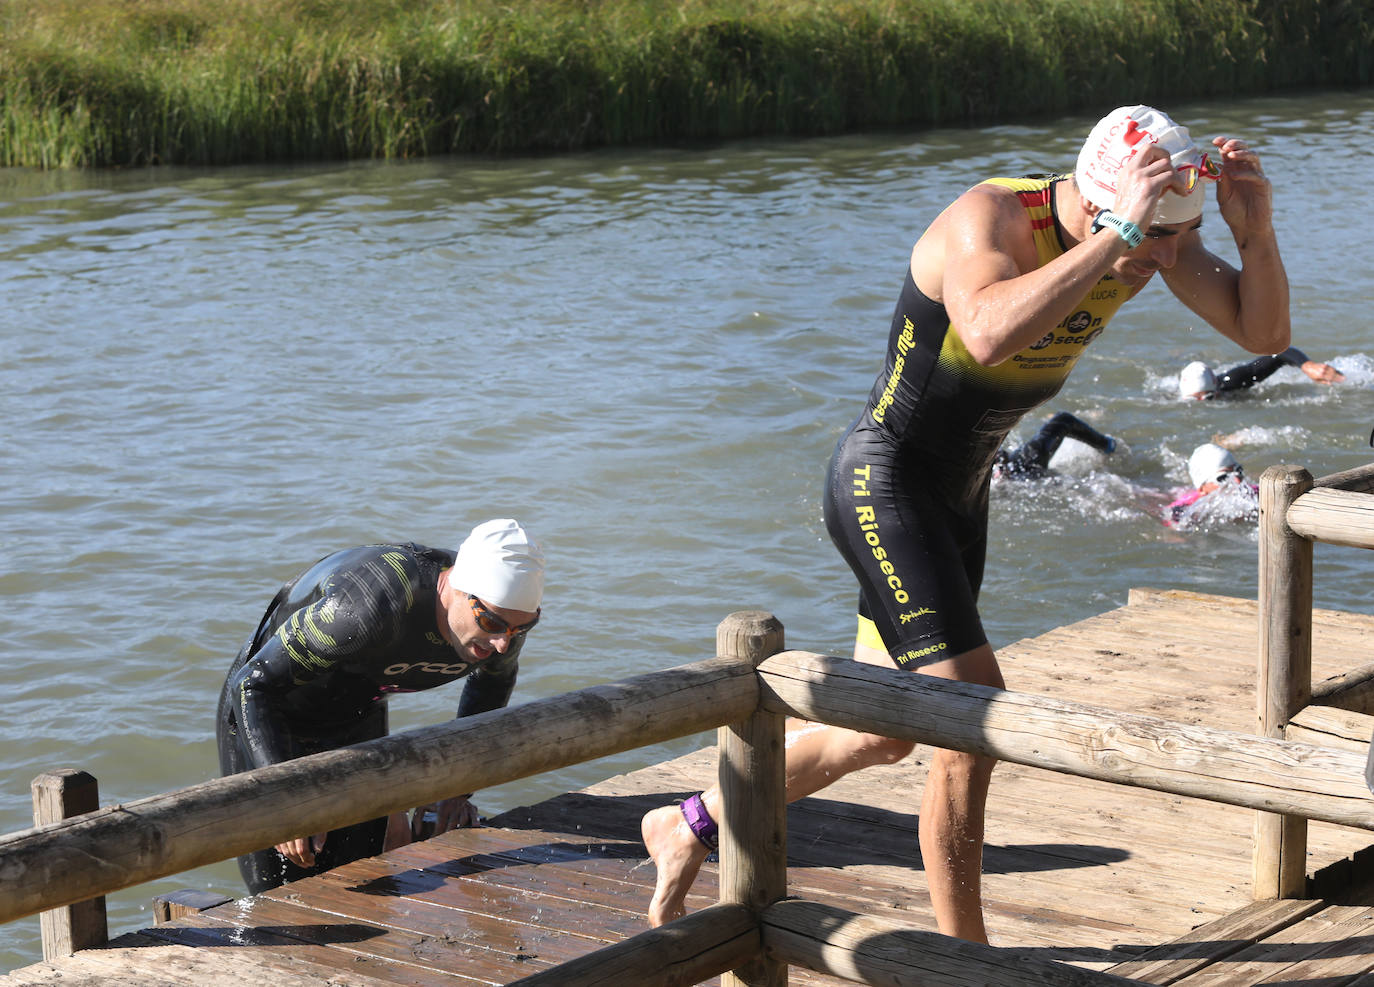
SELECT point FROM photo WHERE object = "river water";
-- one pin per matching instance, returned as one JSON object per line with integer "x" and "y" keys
{"x": 211, "y": 377}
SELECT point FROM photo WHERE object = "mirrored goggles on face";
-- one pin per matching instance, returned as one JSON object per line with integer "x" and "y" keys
{"x": 491, "y": 623}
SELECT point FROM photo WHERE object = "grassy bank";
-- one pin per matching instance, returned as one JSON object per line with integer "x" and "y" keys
{"x": 132, "y": 82}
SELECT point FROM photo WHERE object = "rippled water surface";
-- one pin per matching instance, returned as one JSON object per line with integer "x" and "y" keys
{"x": 210, "y": 378}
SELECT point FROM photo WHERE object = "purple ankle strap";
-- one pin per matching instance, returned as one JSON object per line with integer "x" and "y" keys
{"x": 700, "y": 821}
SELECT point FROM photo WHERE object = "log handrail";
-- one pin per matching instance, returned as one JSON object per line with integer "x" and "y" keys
{"x": 123, "y": 845}
{"x": 1295, "y": 512}
{"x": 118, "y": 846}
{"x": 1074, "y": 738}
{"x": 1336, "y": 517}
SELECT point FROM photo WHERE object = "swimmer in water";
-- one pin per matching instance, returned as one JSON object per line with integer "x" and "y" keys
{"x": 1220, "y": 489}
{"x": 1031, "y": 461}
{"x": 1199, "y": 382}
{"x": 351, "y": 631}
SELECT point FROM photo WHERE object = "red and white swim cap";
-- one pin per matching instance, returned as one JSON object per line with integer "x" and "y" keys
{"x": 1127, "y": 130}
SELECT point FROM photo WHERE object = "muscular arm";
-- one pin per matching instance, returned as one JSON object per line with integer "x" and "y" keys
{"x": 978, "y": 258}
{"x": 1249, "y": 306}
{"x": 999, "y": 301}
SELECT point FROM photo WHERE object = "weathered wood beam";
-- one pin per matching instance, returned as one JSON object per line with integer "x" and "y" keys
{"x": 1352, "y": 690}
{"x": 1361, "y": 479}
{"x": 871, "y": 950}
{"x": 1074, "y": 738}
{"x": 1336, "y": 517}
{"x": 123, "y": 845}
{"x": 59, "y": 795}
{"x": 689, "y": 950}
{"x": 1283, "y": 666}
{"x": 751, "y": 773}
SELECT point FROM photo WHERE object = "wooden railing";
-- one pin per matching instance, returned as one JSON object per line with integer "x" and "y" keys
{"x": 747, "y": 691}
{"x": 1295, "y": 512}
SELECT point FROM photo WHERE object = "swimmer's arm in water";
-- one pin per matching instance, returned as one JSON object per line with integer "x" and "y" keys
{"x": 1247, "y": 375}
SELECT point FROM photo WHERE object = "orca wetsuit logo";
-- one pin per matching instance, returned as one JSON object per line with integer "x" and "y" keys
{"x": 427, "y": 668}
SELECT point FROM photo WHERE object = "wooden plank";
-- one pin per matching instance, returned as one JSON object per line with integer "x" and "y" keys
{"x": 222, "y": 936}
{"x": 485, "y": 951}
{"x": 143, "y": 961}
{"x": 1215, "y": 941}
{"x": 1301, "y": 953}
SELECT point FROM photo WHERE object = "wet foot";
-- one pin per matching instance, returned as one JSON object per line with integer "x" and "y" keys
{"x": 677, "y": 854}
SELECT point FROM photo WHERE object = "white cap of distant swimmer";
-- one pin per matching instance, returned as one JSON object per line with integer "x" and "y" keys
{"x": 500, "y": 564}
{"x": 1123, "y": 132}
{"x": 1197, "y": 380}
{"x": 1208, "y": 462}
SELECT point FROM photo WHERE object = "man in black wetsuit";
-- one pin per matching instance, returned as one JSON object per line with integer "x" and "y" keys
{"x": 1199, "y": 382}
{"x": 358, "y": 626}
{"x": 1001, "y": 295}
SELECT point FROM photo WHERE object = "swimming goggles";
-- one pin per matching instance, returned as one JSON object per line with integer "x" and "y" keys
{"x": 490, "y": 623}
{"x": 1195, "y": 171}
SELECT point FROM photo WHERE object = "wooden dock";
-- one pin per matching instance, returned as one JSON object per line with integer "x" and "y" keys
{"x": 1146, "y": 885}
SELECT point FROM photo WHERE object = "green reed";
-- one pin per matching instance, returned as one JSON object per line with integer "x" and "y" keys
{"x": 133, "y": 82}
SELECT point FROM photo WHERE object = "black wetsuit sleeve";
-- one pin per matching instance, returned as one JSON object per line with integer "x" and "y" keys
{"x": 491, "y": 685}
{"x": 1258, "y": 369}
{"x": 313, "y": 644}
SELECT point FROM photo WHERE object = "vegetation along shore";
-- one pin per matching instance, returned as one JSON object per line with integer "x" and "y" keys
{"x": 137, "y": 82}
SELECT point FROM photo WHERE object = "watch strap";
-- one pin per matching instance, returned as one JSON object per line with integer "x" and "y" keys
{"x": 1124, "y": 228}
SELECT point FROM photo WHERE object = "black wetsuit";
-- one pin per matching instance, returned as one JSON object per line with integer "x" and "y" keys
{"x": 1247, "y": 375}
{"x": 1032, "y": 460}
{"x": 907, "y": 493}
{"x": 334, "y": 644}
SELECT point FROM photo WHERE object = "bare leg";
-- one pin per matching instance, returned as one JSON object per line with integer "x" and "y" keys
{"x": 816, "y": 756}
{"x": 952, "y": 810}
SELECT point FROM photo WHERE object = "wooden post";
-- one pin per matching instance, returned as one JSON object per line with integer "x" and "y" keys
{"x": 1285, "y": 667}
{"x": 59, "y": 795}
{"x": 753, "y": 792}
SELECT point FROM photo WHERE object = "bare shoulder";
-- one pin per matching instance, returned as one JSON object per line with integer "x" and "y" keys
{"x": 984, "y": 222}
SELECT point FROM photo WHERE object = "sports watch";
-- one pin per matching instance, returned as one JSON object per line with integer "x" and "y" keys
{"x": 1124, "y": 228}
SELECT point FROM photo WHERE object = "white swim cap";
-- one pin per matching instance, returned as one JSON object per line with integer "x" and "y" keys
{"x": 1118, "y": 136}
{"x": 502, "y": 565}
{"x": 1208, "y": 462}
{"x": 1196, "y": 378}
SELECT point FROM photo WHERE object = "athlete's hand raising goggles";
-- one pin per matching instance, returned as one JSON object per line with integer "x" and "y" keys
{"x": 1143, "y": 178}
{"x": 1244, "y": 194}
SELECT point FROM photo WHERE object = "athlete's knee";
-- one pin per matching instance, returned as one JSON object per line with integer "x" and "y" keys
{"x": 876, "y": 749}
{"x": 961, "y": 766}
